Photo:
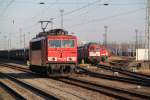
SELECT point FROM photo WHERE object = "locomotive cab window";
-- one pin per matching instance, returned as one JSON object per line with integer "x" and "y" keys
{"x": 54, "y": 43}
{"x": 67, "y": 43}
{"x": 36, "y": 45}
{"x": 92, "y": 49}
{"x": 97, "y": 49}
{"x": 61, "y": 43}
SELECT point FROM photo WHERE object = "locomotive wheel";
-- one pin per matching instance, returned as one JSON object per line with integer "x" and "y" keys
{"x": 61, "y": 69}
{"x": 72, "y": 68}
{"x": 49, "y": 71}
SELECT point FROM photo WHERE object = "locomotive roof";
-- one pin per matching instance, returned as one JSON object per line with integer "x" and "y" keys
{"x": 91, "y": 43}
{"x": 53, "y": 32}
{"x": 88, "y": 44}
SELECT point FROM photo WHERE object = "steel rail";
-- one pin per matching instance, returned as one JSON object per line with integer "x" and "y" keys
{"x": 36, "y": 90}
{"x": 117, "y": 78}
{"x": 114, "y": 92}
{"x": 15, "y": 67}
{"x": 94, "y": 74}
{"x": 12, "y": 92}
{"x": 28, "y": 71}
{"x": 126, "y": 72}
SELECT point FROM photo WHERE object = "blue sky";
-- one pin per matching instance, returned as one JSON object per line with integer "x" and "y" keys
{"x": 121, "y": 16}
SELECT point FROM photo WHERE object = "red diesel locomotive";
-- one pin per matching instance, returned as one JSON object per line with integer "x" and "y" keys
{"x": 53, "y": 52}
{"x": 92, "y": 53}
{"x": 89, "y": 53}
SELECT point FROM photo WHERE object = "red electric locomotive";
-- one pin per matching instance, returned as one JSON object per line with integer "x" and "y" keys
{"x": 89, "y": 53}
{"x": 53, "y": 52}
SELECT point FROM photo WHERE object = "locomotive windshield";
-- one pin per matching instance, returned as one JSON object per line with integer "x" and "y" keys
{"x": 97, "y": 49}
{"x": 67, "y": 43}
{"x": 55, "y": 43}
{"x": 94, "y": 49}
{"x": 61, "y": 43}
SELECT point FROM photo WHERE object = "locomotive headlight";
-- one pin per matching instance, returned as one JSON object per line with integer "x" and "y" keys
{"x": 94, "y": 53}
{"x": 52, "y": 58}
{"x": 71, "y": 58}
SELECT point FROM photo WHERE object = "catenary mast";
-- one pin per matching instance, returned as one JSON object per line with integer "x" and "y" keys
{"x": 148, "y": 30}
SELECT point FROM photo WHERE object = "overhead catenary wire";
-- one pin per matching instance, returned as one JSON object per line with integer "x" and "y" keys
{"x": 35, "y": 16}
{"x": 126, "y": 4}
{"x": 80, "y": 8}
{"x": 106, "y": 18}
{"x": 45, "y": 9}
{"x": 72, "y": 11}
{"x": 7, "y": 6}
{"x": 67, "y": 13}
{"x": 77, "y": 9}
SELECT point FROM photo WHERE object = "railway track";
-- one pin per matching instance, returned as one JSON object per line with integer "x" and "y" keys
{"x": 94, "y": 74}
{"x": 33, "y": 89}
{"x": 117, "y": 78}
{"x": 12, "y": 92}
{"x": 138, "y": 76}
{"x": 35, "y": 74}
{"x": 112, "y": 91}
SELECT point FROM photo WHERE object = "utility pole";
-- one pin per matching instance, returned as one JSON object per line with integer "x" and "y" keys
{"x": 20, "y": 32}
{"x": 105, "y": 36}
{"x": 148, "y": 30}
{"x": 29, "y": 36}
{"x": 136, "y": 43}
{"x": 9, "y": 41}
{"x": 9, "y": 45}
{"x": 61, "y": 14}
{"x": 5, "y": 44}
{"x": 0, "y": 42}
{"x": 24, "y": 41}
